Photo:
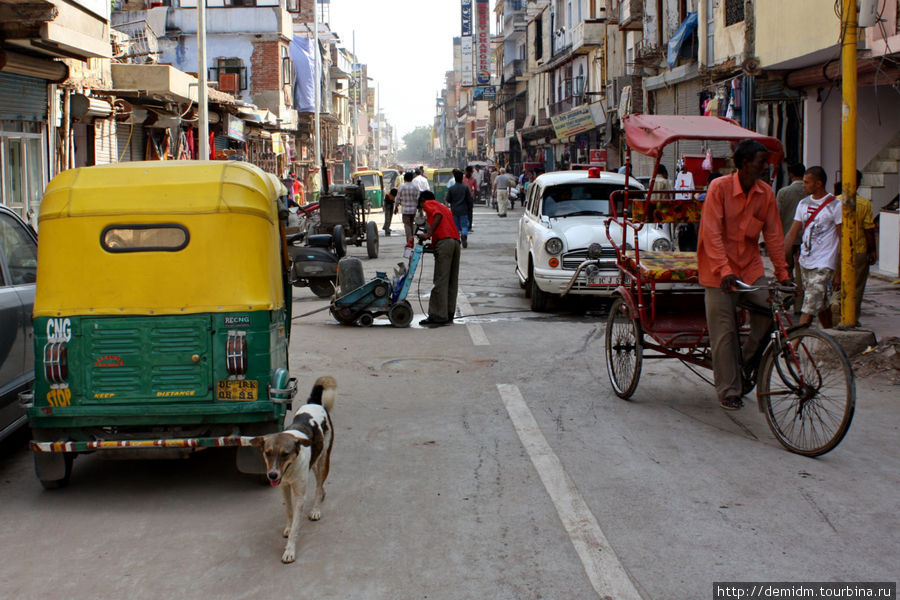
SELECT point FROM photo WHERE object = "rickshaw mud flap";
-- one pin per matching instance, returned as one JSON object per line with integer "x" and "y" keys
{"x": 199, "y": 442}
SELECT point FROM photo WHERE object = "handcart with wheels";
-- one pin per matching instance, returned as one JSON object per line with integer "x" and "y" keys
{"x": 805, "y": 383}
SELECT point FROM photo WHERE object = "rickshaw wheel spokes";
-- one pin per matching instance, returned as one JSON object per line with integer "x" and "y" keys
{"x": 809, "y": 403}
{"x": 624, "y": 350}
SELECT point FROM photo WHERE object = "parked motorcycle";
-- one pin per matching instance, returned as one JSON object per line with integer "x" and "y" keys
{"x": 314, "y": 264}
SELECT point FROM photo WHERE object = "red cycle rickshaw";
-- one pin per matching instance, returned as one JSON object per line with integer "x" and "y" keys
{"x": 805, "y": 383}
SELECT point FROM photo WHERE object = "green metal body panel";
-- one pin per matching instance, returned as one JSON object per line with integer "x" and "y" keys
{"x": 155, "y": 371}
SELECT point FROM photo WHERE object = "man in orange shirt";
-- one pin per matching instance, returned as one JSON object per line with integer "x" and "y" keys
{"x": 737, "y": 208}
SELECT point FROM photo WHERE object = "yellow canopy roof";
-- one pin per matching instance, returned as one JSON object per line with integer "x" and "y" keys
{"x": 230, "y": 260}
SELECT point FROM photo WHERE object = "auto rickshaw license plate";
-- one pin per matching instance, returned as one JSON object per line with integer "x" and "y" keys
{"x": 241, "y": 390}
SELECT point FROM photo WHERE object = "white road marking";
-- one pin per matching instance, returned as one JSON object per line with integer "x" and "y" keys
{"x": 475, "y": 330}
{"x": 606, "y": 574}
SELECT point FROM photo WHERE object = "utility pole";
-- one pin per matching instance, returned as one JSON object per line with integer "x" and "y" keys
{"x": 354, "y": 68}
{"x": 202, "y": 89}
{"x": 849, "y": 22}
{"x": 378, "y": 123}
{"x": 318, "y": 77}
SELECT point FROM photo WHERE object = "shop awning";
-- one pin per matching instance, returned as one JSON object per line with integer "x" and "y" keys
{"x": 649, "y": 134}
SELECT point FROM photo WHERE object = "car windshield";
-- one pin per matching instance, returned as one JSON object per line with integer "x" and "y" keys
{"x": 576, "y": 199}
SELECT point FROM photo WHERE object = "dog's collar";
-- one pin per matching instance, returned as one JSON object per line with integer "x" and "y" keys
{"x": 297, "y": 434}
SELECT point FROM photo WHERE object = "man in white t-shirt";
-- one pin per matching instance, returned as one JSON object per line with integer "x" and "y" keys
{"x": 818, "y": 221}
{"x": 420, "y": 181}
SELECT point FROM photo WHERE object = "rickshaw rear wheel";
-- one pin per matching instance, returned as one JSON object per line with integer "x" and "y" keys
{"x": 808, "y": 392}
{"x": 624, "y": 350}
{"x": 67, "y": 459}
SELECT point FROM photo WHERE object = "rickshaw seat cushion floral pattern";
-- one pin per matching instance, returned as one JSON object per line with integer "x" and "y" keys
{"x": 665, "y": 266}
{"x": 678, "y": 211}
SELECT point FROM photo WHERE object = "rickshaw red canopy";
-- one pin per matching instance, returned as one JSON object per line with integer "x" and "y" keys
{"x": 649, "y": 134}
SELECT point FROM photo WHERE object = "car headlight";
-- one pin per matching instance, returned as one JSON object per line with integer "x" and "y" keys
{"x": 553, "y": 246}
{"x": 595, "y": 250}
{"x": 661, "y": 245}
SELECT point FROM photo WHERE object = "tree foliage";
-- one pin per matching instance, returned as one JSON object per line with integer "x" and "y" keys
{"x": 417, "y": 146}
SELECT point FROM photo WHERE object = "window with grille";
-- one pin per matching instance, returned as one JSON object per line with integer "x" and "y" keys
{"x": 734, "y": 12}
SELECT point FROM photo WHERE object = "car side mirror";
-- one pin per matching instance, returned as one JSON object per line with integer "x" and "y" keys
{"x": 545, "y": 220}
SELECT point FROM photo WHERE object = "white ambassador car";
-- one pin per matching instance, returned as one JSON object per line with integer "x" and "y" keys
{"x": 566, "y": 212}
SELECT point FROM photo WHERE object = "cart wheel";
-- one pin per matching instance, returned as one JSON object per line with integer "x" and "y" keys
{"x": 808, "y": 392}
{"x": 344, "y": 316}
{"x": 624, "y": 350}
{"x": 322, "y": 287}
{"x": 340, "y": 241}
{"x": 372, "y": 239}
{"x": 365, "y": 320}
{"x": 401, "y": 314}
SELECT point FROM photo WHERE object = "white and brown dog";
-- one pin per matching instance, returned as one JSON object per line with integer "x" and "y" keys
{"x": 303, "y": 447}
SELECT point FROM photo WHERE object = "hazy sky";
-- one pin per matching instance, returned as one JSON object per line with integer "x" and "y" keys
{"x": 408, "y": 47}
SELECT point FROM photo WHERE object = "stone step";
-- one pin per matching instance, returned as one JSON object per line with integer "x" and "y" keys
{"x": 853, "y": 341}
{"x": 890, "y": 153}
{"x": 872, "y": 179}
{"x": 883, "y": 166}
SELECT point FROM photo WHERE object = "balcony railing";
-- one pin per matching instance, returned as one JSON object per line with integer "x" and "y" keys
{"x": 515, "y": 68}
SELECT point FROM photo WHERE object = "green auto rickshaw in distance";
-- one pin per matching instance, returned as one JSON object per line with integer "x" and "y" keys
{"x": 440, "y": 180}
{"x": 373, "y": 182}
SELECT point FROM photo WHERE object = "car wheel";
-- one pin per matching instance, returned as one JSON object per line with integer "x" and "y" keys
{"x": 539, "y": 298}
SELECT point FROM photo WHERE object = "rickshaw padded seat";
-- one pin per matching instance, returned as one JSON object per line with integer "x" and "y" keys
{"x": 665, "y": 266}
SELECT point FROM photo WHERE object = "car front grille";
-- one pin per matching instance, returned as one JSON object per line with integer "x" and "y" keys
{"x": 571, "y": 260}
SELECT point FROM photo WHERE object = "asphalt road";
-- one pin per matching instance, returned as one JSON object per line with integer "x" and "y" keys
{"x": 484, "y": 460}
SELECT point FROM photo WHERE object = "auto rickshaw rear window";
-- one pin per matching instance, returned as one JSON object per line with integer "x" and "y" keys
{"x": 144, "y": 238}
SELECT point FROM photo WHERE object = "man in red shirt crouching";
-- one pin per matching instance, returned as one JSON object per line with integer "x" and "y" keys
{"x": 445, "y": 240}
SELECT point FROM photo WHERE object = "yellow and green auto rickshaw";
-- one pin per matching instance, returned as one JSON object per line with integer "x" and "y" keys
{"x": 373, "y": 183}
{"x": 160, "y": 318}
{"x": 392, "y": 178}
{"x": 439, "y": 180}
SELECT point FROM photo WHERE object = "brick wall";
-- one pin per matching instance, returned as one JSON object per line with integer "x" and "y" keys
{"x": 306, "y": 11}
{"x": 265, "y": 67}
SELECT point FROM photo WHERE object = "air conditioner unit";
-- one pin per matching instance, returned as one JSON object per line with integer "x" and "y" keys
{"x": 230, "y": 82}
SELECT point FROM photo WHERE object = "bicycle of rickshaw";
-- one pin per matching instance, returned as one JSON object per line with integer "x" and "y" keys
{"x": 805, "y": 382}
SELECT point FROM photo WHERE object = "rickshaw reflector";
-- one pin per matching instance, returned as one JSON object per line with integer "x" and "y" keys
{"x": 236, "y": 353}
{"x": 56, "y": 362}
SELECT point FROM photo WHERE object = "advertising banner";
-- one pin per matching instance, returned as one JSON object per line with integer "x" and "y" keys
{"x": 573, "y": 122}
{"x": 485, "y": 92}
{"x": 468, "y": 61}
{"x": 483, "y": 43}
{"x": 466, "y": 17}
{"x": 235, "y": 128}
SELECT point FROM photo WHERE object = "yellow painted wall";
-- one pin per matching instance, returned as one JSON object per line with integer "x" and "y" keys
{"x": 793, "y": 28}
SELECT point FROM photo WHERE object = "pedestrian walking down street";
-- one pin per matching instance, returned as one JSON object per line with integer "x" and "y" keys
{"x": 461, "y": 202}
{"x": 865, "y": 248}
{"x": 818, "y": 221}
{"x": 420, "y": 180}
{"x": 406, "y": 203}
{"x": 501, "y": 189}
{"x": 388, "y": 206}
{"x": 736, "y": 209}
{"x": 445, "y": 240}
{"x": 787, "y": 200}
{"x": 472, "y": 184}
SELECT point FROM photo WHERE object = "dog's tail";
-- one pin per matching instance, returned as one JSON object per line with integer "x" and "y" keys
{"x": 324, "y": 392}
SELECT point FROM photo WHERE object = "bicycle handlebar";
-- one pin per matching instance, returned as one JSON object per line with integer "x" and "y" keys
{"x": 744, "y": 287}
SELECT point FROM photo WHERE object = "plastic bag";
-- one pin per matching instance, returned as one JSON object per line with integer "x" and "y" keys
{"x": 707, "y": 162}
